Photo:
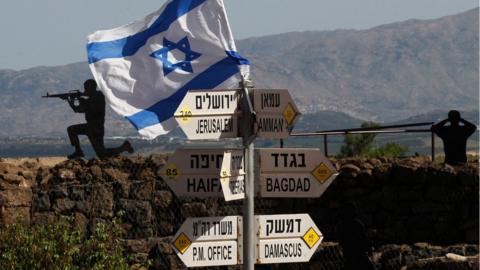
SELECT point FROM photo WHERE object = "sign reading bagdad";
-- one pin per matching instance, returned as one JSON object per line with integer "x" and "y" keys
{"x": 294, "y": 172}
{"x": 209, "y": 241}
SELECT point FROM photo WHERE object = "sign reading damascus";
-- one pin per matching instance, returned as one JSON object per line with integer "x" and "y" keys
{"x": 286, "y": 238}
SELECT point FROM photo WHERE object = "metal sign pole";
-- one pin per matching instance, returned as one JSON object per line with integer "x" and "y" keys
{"x": 248, "y": 215}
{"x": 249, "y": 204}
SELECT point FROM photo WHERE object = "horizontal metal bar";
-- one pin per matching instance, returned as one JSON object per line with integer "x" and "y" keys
{"x": 303, "y": 134}
{"x": 378, "y": 128}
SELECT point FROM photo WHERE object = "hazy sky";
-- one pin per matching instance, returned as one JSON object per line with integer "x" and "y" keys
{"x": 53, "y": 32}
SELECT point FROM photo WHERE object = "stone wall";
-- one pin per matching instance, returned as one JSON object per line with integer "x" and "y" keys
{"x": 406, "y": 201}
{"x": 401, "y": 201}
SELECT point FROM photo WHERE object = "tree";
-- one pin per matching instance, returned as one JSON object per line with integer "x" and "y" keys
{"x": 363, "y": 145}
{"x": 358, "y": 145}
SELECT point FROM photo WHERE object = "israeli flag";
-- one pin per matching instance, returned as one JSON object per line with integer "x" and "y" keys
{"x": 145, "y": 68}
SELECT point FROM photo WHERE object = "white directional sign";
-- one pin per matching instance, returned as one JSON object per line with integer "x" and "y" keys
{"x": 196, "y": 173}
{"x": 286, "y": 238}
{"x": 276, "y": 113}
{"x": 209, "y": 241}
{"x": 294, "y": 172}
{"x": 209, "y": 114}
{"x": 232, "y": 175}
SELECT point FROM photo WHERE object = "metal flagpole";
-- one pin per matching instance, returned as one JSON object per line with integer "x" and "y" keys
{"x": 249, "y": 203}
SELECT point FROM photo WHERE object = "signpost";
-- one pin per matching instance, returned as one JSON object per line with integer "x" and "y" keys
{"x": 215, "y": 241}
{"x": 196, "y": 173}
{"x": 209, "y": 114}
{"x": 209, "y": 241}
{"x": 286, "y": 238}
{"x": 294, "y": 172}
{"x": 276, "y": 113}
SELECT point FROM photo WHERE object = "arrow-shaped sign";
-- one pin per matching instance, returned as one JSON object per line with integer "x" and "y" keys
{"x": 209, "y": 114}
{"x": 232, "y": 175}
{"x": 294, "y": 172}
{"x": 209, "y": 241}
{"x": 286, "y": 238}
{"x": 276, "y": 113}
{"x": 196, "y": 173}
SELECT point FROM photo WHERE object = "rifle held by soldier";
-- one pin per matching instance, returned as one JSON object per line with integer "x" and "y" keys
{"x": 71, "y": 95}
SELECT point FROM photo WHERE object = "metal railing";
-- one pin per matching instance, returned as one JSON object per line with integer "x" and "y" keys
{"x": 369, "y": 130}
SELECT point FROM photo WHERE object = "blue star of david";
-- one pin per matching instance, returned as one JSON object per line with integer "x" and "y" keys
{"x": 184, "y": 46}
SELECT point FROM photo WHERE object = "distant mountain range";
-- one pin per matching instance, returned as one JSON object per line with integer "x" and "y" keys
{"x": 330, "y": 120}
{"x": 386, "y": 73}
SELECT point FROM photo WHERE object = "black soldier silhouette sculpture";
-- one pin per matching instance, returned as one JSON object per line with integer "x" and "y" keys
{"x": 92, "y": 103}
{"x": 454, "y": 137}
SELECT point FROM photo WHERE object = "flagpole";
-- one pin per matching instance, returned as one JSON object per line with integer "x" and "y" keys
{"x": 249, "y": 202}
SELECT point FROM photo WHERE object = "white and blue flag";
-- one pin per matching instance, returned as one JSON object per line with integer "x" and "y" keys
{"x": 145, "y": 68}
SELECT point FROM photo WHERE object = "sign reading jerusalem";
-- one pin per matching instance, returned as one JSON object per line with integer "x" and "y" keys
{"x": 294, "y": 172}
{"x": 209, "y": 114}
{"x": 209, "y": 241}
{"x": 197, "y": 173}
{"x": 286, "y": 238}
{"x": 276, "y": 113}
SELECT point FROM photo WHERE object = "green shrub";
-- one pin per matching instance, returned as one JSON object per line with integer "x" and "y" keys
{"x": 61, "y": 246}
{"x": 391, "y": 149}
